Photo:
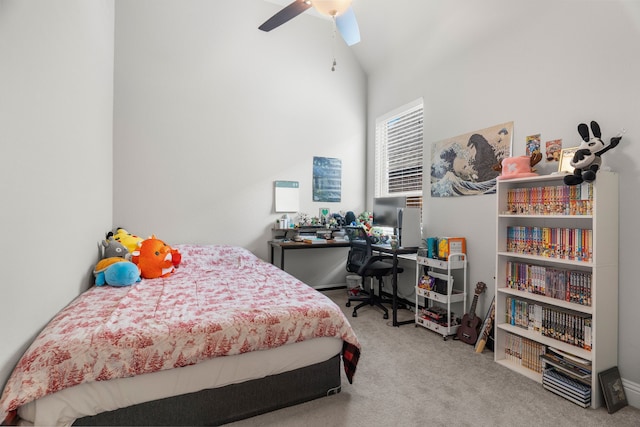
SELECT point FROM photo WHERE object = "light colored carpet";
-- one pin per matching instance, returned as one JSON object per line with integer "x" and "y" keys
{"x": 409, "y": 376}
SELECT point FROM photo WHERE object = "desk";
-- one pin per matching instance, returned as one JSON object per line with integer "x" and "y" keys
{"x": 394, "y": 278}
{"x": 286, "y": 246}
{"x": 397, "y": 253}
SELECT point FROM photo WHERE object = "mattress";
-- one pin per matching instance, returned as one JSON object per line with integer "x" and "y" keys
{"x": 64, "y": 407}
{"x": 223, "y": 303}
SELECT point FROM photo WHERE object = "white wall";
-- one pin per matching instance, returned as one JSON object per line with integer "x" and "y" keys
{"x": 546, "y": 66}
{"x": 209, "y": 111}
{"x": 184, "y": 74}
{"x": 56, "y": 68}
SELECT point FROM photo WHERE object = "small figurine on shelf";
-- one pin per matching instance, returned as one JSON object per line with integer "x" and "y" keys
{"x": 394, "y": 242}
{"x": 350, "y": 218}
{"x": 303, "y": 219}
{"x": 336, "y": 220}
{"x": 366, "y": 219}
{"x": 587, "y": 159}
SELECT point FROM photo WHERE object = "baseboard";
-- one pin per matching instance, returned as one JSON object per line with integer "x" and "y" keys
{"x": 330, "y": 287}
{"x": 632, "y": 391}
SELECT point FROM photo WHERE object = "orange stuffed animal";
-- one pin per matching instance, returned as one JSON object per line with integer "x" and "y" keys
{"x": 155, "y": 258}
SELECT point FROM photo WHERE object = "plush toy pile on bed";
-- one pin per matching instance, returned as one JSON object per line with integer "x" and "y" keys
{"x": 155, "y": 258}
{"x": 127, "y": 258}
{"x": 116, "y": 271}
{"x": 128, "y": 240}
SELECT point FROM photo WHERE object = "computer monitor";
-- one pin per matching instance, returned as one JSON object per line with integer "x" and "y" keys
{"x": 385, "y": 210}
{"x": 392, "y": 214}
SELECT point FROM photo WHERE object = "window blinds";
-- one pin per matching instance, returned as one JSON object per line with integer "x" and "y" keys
{"x": 399, "y": 148}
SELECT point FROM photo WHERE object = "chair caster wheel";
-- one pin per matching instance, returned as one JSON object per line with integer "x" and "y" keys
{"x": 385, "y": 316}
{"x": 354, "y": 314}
{"x": 348, "y": 304}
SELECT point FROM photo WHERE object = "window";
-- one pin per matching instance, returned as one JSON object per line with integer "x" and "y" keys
{"x": 399, "y": 148}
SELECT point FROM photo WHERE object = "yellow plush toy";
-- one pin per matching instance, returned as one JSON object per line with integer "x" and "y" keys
{"x": 128, "y": 240}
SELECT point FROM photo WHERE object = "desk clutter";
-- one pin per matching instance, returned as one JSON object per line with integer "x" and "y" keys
{"x": 313, "y": 234}
{"x": 330, "y": 226}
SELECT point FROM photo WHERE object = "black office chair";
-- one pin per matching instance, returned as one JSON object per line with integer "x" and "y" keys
{"x": 362, "y": 262}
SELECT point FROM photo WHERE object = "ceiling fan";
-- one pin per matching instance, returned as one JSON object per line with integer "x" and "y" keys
{"x": 339, "y": 10}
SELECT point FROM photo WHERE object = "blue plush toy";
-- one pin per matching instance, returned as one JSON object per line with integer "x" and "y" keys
{"x": 116, "y": 271}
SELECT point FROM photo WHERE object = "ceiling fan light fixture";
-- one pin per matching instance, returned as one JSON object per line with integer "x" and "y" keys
{"x": 331, "y": 7}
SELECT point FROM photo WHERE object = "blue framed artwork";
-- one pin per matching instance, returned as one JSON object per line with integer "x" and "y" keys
{"x": 327, "y": 179}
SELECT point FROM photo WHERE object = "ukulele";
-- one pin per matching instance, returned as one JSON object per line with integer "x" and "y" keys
{"x": 470, "y": 325}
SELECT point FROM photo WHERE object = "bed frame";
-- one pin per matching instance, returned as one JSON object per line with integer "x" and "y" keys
{"x": 230, "y": 403}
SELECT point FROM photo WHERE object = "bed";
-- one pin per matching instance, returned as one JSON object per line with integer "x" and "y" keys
{"x": 225, "y": 337}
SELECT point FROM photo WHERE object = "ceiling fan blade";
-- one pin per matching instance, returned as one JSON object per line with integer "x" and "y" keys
{"x": 289, "y": 12}
{"x": 348, "y": 27}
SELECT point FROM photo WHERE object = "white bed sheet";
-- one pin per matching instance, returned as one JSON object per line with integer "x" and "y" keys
{"x": 64, "y": 407}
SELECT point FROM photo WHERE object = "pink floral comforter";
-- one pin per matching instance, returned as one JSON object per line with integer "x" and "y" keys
{"x": 221, "y": 301}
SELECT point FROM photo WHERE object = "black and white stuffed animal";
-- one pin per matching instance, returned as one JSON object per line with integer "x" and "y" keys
{"x": 586, "y": 160}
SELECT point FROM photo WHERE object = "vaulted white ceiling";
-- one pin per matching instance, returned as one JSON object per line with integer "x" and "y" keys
{"x": 432, "y": 26}
{"x": 384, "y": 25}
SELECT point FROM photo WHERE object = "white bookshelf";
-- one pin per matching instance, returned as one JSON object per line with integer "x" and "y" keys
{"x": 603, "y": 268}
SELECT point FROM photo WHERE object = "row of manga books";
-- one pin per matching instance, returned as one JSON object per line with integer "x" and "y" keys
{"x": 551, "y": 242}
{"x": 551, "y": 200}
{"x": 567, "y": 285}
{"x": 524, "y": 352}
{"x": 568, "y": 327}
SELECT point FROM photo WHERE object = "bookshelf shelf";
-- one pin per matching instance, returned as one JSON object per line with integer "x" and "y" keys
{"x": 521, "y": 370}
{"x": 537, "y": 337}
{"x": 542, "y": 259}
{"x": 547, "y": 300}
{"x": 544, "y": 216}
{"x": 557, "y": 275}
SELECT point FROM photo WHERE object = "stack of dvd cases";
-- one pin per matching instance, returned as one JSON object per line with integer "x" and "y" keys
{"x": 575, "y": 391}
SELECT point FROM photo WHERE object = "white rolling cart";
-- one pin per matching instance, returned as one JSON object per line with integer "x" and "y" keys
{"x": 435, "y": 302}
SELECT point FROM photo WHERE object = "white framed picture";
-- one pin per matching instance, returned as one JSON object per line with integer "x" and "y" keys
{"x": 565, "y": 160}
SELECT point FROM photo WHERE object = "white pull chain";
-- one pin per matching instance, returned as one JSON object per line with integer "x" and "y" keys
{"x": 335, "y": 30}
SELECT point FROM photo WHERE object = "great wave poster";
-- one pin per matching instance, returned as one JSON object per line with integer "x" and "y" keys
{"x": 463, "y": 165}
